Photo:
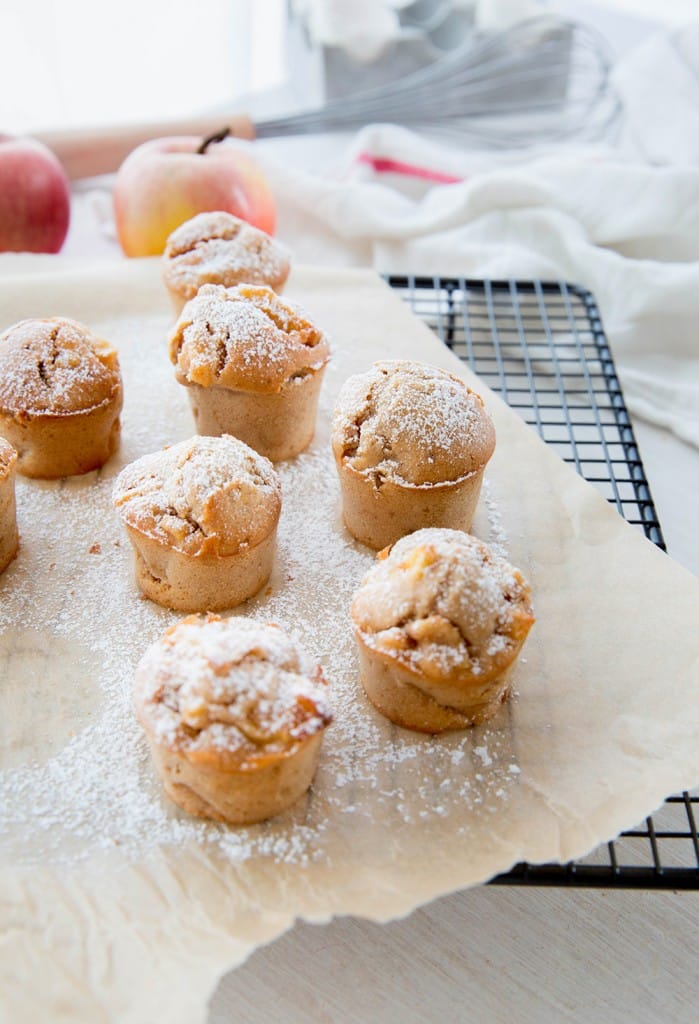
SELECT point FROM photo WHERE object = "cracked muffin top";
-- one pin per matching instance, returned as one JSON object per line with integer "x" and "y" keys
{"x": 441, "y": 602}
{"x": 230, "y": 691}
{"x": 205, "y": 496}
{"x": 55, "y": 367}
{"x": 246, "y": 339}
{"x": 218, "y": 248}
{"x": 8, "y": 458}
{"x": 411, "y": 423}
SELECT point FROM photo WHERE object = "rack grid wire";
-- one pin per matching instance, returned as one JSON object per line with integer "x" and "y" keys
{"x": 541, "y": 346}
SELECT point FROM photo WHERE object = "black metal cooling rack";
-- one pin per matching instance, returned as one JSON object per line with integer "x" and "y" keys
{"x": 542, "y": 347}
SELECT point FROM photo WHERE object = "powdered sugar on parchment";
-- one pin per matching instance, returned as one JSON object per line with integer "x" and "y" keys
{"x": 77, "y": 776}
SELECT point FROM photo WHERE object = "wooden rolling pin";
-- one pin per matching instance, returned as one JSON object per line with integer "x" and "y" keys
{"x": 87, "y": 152}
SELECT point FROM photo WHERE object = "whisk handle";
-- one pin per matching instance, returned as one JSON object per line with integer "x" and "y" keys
{"x": 86, "y": 152}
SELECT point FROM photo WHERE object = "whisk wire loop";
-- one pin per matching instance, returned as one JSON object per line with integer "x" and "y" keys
{"x": 542, "y": 80}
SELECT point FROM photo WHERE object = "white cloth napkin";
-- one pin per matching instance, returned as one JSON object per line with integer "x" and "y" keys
{"x": 659, "y": 84}
{"x": 604, "y": 217}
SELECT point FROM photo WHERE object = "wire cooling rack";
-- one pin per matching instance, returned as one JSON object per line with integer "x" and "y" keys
{"x": 542, "y": 347}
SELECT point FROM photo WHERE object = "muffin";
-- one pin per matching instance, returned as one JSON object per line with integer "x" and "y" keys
{"x": 411, "y": 442}
{"x": 9, "y": 538}
{"x": 60, "y": 397}
{"x": 234, "y": 712}
{"x": 218, "y": 248}
{"x": 253, "y": 366}
{"x": 202, "y": 518}
{"x": 439, "y": 622}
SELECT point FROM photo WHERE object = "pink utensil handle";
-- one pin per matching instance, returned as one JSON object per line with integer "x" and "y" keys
{"x": 86, "y": 152}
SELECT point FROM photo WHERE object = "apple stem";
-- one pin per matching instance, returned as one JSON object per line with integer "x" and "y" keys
{"x": 218, "y": 136}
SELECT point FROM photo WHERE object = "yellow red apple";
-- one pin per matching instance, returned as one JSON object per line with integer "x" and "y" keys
{"x": 34, "y": 197}
{"x": 165, "y": 182}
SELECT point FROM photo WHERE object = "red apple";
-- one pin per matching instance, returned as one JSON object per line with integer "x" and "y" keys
{"x": 166, "y": 181}
{"x": 34, "y": 197}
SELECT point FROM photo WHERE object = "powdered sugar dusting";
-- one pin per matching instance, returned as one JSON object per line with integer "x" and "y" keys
{"x": 213, "y": 490}
{"x": 218, "y": 248}
{"x": 234, "y": 686}
{"x": 412, "y": 423}
{"x": 498, "y": 534}
{"x": 55, "y": 366}
{"x": 72, "y": 624}
{"x": 244, "y": 338}
{"x": 441, "y": 602}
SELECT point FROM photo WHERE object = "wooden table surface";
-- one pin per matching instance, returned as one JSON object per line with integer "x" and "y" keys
{"x": 494, "y": 955}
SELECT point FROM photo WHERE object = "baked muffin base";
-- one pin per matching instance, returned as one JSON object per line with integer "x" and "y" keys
{"x": 9, "y": 537}
{"x": 190, "y": 583}
{"x": 241, "y": 796}
{"x": 380, "y": 515}
{"x": 279, "y": 425}
{"x": 53, "y": 446}
{"x": 393, "y": 691}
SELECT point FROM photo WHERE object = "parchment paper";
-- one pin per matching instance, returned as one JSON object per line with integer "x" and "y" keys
{"x": 115, "y": 906}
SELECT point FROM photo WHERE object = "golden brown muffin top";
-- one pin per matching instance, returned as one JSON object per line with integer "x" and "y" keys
{"x": 230, "y": 692}
{"x": 218, "y": 248}
{"x": 208, "y": 496}
{"x": 55, "y": 367}
{"x": 411, "y": 423}
{"x": 441, "y": 603}
{"x": 246, "y": 339}
{"x": 8, "y": 458}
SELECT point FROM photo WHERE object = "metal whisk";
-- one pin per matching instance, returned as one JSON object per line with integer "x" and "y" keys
{"x": 542, "y": 80}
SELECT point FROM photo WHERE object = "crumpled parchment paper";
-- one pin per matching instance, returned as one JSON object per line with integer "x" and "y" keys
{"x": 114, "y": 905}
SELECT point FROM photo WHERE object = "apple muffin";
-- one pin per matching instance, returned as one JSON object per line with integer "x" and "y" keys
{"x": 253, "y": 366}
{"x": 202, "y": 519}
{"x": 60, "y": 397}
{"x": 411, "y": 443}
{"x": 218, "y": 248}
{"x": 439, "y": 622}
{"x": 9, "y": 537}
{"x": 234, "y": 712}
